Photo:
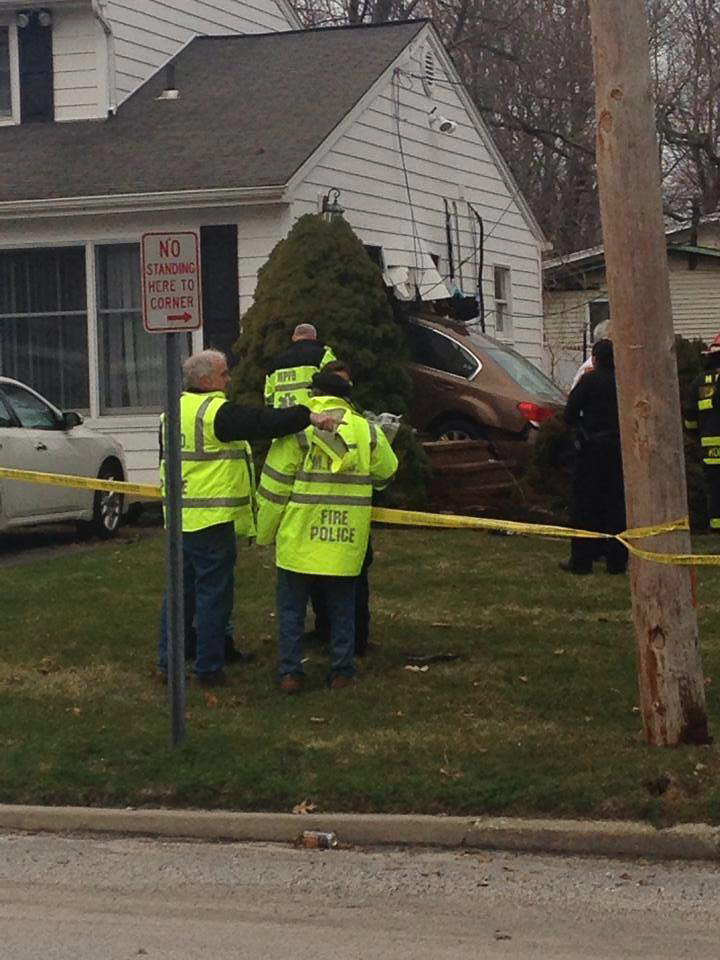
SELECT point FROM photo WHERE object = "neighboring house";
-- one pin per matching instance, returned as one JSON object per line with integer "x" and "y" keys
{"x": 576, "y": 299}
{"x": 239, "y": 136}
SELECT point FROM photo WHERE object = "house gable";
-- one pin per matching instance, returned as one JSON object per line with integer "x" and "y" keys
{"x": 396, "y": 192}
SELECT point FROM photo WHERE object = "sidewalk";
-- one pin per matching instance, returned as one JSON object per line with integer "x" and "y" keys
{"x": 599, "y": 838}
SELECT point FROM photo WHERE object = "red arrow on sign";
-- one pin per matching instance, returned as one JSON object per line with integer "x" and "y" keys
{"x": 179, "y": 317}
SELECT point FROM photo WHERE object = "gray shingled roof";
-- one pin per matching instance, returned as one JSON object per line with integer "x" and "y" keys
{"x": 251, "y": 110}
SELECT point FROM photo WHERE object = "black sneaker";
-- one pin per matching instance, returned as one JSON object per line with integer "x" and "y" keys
{"x": 578, "y": 571}
{"x": 216, "y": 679}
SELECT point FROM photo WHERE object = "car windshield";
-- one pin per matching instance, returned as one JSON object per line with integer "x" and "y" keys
{"x": 524, "y": 373}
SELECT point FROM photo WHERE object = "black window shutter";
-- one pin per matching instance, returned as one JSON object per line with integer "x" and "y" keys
{"x": 36, "y": 71}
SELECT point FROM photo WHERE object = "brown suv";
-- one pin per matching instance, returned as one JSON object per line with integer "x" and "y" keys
{"x": 469, "y": 386}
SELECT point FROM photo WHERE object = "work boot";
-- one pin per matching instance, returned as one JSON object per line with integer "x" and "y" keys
{"x": 290, "y": 683}
{"x": 340, "y": 682}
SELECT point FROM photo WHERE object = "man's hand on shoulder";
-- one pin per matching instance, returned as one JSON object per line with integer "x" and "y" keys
{"x": 324, "y": 421}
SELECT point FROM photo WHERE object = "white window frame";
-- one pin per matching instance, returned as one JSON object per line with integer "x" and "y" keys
{"x": 14, "y": 118}
{"x": 503, "y": 306}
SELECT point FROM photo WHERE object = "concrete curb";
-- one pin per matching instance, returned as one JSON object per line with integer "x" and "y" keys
{"x": 599, "y": 838}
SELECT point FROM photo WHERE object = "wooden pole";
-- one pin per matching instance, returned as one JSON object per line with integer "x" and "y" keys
{"x": 672, "y": 693}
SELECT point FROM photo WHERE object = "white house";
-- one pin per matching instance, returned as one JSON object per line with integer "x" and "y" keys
{"x": 262, "y": 120}
{"x": 576, "y": 294}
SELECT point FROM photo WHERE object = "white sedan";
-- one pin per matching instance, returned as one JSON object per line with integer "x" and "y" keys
{"x": 35, "y": 435}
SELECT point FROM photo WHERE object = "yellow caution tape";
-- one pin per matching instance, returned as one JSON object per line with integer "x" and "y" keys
{"x": 416, "y": 518}
{"x": 144, "y": 490}
{"x": 413, "y": 518}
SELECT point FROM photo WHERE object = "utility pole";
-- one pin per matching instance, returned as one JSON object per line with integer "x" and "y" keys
{"x": 672, "y": 692}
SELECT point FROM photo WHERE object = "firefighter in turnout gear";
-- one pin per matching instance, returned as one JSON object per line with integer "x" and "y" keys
{"x": 702, "y": 417}
{"x": 289, "y": 380}
{"x": 217, "y": 500}
{"x": 315, "y": 499}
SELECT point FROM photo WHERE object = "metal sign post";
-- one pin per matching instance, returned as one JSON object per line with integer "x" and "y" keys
{"x": 173, "y": 535}
{"x": 172, "y": 305}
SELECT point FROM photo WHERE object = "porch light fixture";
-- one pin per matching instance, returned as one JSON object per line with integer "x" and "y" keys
{"x": 22, "y": 20}
{"x": 45, "y": 18}
{"x": 436, "y": 121}
{"x": 330, "y": 204}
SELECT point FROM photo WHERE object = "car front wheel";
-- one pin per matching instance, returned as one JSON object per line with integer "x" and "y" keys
{"x": 107, "y": 506}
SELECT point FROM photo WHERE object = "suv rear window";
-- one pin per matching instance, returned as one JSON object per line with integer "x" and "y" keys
{"x": 440, "y": 352}
{"x": 525, "y": 374}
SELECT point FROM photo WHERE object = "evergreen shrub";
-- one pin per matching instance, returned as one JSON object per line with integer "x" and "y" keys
{"x": 321, "y": 274}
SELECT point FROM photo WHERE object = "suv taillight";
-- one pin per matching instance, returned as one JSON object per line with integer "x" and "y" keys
{"x": 535, "y": 413}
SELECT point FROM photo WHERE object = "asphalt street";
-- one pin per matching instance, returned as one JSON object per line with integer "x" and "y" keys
{"x": 117, "y": 899}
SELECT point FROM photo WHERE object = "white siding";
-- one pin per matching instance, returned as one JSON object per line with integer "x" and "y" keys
{"x": 694, "y": 294}
{"x": 259, "y": 229}
{"x": 695, "y": 298}
{"x": 566, "y": 317}
{"x": 77, "y": 58}
{"x": 148, "y": 32}
{"x": 366, "y": 166}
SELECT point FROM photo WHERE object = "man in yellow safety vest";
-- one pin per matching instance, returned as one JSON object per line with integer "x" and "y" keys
{"x": 289, "y": 379}
{"x": 315, "y": 499}
{"x": 217, "y": 500}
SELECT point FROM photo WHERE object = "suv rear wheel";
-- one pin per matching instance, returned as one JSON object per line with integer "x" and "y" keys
{"x": 459, "y": 429}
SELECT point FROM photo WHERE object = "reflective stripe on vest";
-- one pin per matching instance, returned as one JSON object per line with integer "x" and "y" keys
{"x": 217, "y": 476}
{"x": 291, "y": 385}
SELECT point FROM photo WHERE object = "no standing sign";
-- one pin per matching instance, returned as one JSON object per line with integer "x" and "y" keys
{"x": 172, "y": 293}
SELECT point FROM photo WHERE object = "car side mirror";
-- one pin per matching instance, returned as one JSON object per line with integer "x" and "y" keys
{"x": 71, "y": 419}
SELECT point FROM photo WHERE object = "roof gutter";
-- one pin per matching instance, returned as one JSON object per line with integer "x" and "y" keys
{"x": 99, "y": 14}
{"x": 142, "y": 202}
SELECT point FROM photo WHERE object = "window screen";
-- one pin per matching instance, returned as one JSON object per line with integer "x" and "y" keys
{"x": 5, "y": 94}
{"x": 132, "y": 361}
{"x": 43, "y": 323}
{"x": 503, "y": 317}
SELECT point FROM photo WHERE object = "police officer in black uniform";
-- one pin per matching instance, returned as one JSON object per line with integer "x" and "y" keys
{"x": 598, "y": 494}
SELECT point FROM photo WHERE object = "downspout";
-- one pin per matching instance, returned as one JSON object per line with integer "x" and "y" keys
{"x": 97, "y": 10}
{"x": 480, "y": 267}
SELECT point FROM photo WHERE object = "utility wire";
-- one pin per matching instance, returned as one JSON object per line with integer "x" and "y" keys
{"x": 396, "y": 110}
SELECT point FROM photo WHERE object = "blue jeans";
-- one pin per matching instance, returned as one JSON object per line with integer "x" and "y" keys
{"x": 208, "y": 580}
{"x": 293, "y": 590}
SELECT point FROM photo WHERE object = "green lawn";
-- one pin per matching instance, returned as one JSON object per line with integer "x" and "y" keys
{"x": 537, "y": 717}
